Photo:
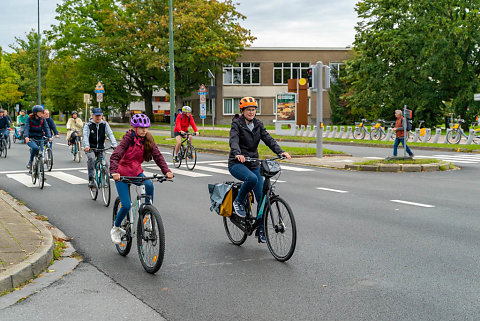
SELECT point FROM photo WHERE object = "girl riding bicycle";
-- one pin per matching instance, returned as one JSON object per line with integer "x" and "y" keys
{"x": 35, "y": 128}
{"x": 245, "y": 135}
{"x": 136, "y": 147}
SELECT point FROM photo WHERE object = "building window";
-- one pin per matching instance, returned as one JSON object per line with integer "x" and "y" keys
{"x": 243, "y": 73}
{"x": 283, "y": 71}
{"x": 231, "y": 106}
{"x": 336, "y": 69}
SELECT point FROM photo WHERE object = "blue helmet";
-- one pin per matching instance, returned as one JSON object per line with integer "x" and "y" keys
{"x": 97, "y": 111}
{"x": 36, "y": 109}
{"x": 74, "y": 112}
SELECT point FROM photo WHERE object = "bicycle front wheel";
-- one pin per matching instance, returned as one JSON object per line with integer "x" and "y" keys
{"x": 49, "y": 160}
{"x": 375, "y": 134}
{"x": 358, "y": 133}
{"x": 280, "y": 229}
{"x": 79, "y": 151}
{"x": 191, "y": 157}
{"x": 123, "y": 248}
{"x": 34, "y": 170}
{"x": 94, "y": 189}
{"x": 150, "y": 239}
{"x": 105, "y": 187}
{"x": 453, "y": 137}
{"x": 4, "y": 147}
{"x": 9, "y": 141}
{"x": 41, "y": 174}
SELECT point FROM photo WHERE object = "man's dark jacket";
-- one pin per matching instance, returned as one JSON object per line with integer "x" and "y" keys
{"x": 245, "y": 142}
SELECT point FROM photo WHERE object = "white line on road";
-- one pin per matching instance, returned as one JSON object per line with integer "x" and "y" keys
{"x": 214, "y": 170}
{"x": 24, "y": 179}
{"x": 68, "y": 178}
{"x": 375, "y": 157}
{"x": 331, "y": 190}
{"x": 219, "y": 164}
{"x": 188, "y": 173}
{"x": 412, "y": 203}
{"x": 55, "y": 169}
{"x": 296, "y": 169}
{"x": 61, "y": 144}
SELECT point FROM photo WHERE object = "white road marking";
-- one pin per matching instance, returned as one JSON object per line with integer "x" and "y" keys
{"x": 296, "y": 169}
{"x": 24, "y": 179}
{"x": 68, "y": 178}
{"x": 331, "y": 190}
{"x": 61, "y": 144}
{"x": 55, "y": 169}
{"x": 412, "y": 203}
{"x": 220, "y": 164}
{"x": 214, "y": 170}
{"x": 188, "y": 173}
{"x": 85, "y": 171}
{"x": 375, "y": 157}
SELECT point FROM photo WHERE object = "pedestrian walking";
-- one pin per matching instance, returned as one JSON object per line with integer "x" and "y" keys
{"x": 400, "y": 134}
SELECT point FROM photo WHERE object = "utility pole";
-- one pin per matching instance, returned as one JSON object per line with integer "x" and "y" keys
{"x": 318, "y": 88}
{"x": 172, "y": 69}
{"x": 39, "y": 71}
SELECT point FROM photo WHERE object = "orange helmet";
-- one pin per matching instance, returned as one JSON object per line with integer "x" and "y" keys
{"x": 248, "y": 102}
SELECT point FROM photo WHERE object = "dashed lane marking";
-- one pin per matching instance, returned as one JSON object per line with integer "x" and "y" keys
{"x": 331, "y": 190}
{"x": 412, "y": 203}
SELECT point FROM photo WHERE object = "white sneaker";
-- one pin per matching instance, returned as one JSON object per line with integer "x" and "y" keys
{"x": 116, "y": 234}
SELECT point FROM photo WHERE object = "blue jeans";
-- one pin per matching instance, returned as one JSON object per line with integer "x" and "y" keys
{"x": 252, "y": 180}
{"x": 34, "y": 148}
{"x": 124, "y": 194}
{"x": 399, "y": 140}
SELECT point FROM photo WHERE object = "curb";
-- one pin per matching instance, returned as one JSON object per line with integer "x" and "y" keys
{"x": 35, "y": 263}
{"x": 398, "y": 168}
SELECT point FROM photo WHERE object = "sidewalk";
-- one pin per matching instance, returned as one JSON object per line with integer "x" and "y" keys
{"x": 26, "y": 245}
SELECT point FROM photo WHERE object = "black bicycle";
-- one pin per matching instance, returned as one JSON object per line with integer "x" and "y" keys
{"x": 47, "y": 155}
{"x": 76, "y": 147}
{"x": 102, "y": 177}
{"x": 187, "y": 152}
{"x": 38, "y": 169}
{"x": 278, "y": 220}
{"x": 3, "y": 145}
{"x": 145, "y": 221}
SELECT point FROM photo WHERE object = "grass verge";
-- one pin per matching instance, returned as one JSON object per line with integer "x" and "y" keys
{"x": 400, "y": 161}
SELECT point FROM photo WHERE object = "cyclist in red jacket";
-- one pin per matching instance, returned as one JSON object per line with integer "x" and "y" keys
{"x": 183, "y": 121}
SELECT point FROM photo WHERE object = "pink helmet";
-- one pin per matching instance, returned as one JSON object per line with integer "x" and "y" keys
{"x": 140, "y": 120}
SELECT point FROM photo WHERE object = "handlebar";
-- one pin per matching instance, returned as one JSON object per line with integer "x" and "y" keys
{"x": 251, "y": 159}
{"x": 137, "y": 179}
{"x": 101, "y": 149}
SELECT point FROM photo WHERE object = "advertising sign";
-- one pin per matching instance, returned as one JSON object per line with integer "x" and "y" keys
{"x": 286, "y": 107}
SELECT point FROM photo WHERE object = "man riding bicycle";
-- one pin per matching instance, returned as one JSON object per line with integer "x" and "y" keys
{"x": 245, "y": 135}
{"x": 35, "y": 128}
{"x": 51, "y": 125}
{"x": 183, "y": 121}
{"x": 4, "y": 125}
{"x": 74, "y": 124}
{"x": 94, "y": 134}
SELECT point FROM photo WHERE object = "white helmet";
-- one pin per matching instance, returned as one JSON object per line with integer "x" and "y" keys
{"x": 187, "y": 109}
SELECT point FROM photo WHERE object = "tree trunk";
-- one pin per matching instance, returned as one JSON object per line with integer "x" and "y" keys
{"x": 147, "y": 97}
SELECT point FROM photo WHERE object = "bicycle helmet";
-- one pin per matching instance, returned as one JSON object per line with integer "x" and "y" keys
{"x": 140, "y": 120}
{"x": 248, "y": 102}
{"x": 1, "y": 111}
{"x": 97, "y": 111}
{"x": 187, "y": 109}
{"x": 74, "y": 112}
{"x": 36, "y": 109}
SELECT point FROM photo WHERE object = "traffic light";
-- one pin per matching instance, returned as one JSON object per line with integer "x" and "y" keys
{"x": 310, "y": 77}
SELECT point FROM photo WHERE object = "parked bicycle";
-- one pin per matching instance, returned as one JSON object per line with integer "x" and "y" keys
{"x": 144, "y": 222}
{"x": 3, "y": 145}
{"x": 187, "y": 151}
{"x": 476, "y": 133}
{"x": 360, "y": 130}
{"x": 456, "y": 133}
{"x": 277, "y": 216}
{"x": 76, "y": 147}
{"x": 378, "y": 130}
{"x": 38, "y": 169}
{"x": 102, "y": 176}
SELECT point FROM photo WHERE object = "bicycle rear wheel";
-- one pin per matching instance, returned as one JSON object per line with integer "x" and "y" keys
{"x": 41, "y": 173}
{"x": 150, "y": 239}
{"x": 179, "y": 156}
{"x": 9, "y": 141}
{"x": 105, "y": 186}
{"x": 34, "y": 170}
{"x": 49, "y": 159}
{"x": 4, "y": 147}
{"x": 358, "y": 133}
{"x": 453, "y": 137}
{"x": 280, "y": 229}
{"x": 191, "y": 157}
{"x": 375, "y": 134}
{"x": 124, "y": 247}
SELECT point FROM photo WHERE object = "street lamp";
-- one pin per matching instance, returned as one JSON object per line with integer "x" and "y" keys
{"x": 39, "y": 40}
{"x": 172, "y": 68}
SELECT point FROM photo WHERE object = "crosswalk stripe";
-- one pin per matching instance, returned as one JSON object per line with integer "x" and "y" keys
{"x": 68, "y": 178}
{"x": 188, "y": 173}
{"x": 296, "y": 169}
{"x": 24, "y": 179}
{"x": 214, "y": 170}
{"x": 219, "y": 164}
{"x": 412, "y": 203}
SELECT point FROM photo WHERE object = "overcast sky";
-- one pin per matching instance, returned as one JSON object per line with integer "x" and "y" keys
{"x": 275, "y": 23}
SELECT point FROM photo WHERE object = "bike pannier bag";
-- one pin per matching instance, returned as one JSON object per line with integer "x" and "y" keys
{"x": 221, "y": 198}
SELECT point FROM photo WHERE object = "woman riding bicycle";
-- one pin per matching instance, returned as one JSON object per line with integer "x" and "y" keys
{"x": 136, "y": 147}
{"x": 35, "y": 128}
{"x": 74, "y": 128}
{"x": 245, "y": 135}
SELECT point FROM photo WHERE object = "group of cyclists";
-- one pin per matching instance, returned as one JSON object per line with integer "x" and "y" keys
{"x": 138, "y": 146}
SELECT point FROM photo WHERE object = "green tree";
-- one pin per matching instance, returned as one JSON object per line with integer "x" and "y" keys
{"x": 422, "y": 54}
{"x": 132, "y": 37}
{"x": 9, "y": 93}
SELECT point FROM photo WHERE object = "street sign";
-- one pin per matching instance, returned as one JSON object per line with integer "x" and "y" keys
{"x": 86, "y": 98}
{"x": 99, "y": 97}
{"x": 99, "y": 88}
{"x": 202, "y": 90}
{"x": 476, "y": 97}
{"x": 203, "y": 111}
{"x": 203, "y": 99}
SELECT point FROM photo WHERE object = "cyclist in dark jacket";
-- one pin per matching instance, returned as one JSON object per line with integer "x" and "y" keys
{"x": 4, "y": 125}
{"x": 35, "y": 128}
{"x": 245, "y": 135}
{"x": 51, "y": 124}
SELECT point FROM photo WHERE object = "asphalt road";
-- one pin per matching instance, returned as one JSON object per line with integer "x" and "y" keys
{"x": 371, "y": 246}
